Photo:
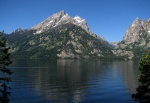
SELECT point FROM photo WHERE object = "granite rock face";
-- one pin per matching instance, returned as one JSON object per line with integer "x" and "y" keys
{"x": 136, "y": 39}
{"x": 137, "y": 32}
{"x": 51, "y": 22}
{"x": 60, "y": 18}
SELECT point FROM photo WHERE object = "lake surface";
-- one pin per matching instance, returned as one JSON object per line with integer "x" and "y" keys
{"x": 73, "y": 81}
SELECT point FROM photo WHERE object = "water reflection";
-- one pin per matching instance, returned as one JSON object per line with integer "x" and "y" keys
{"x": 130, "y": 74}
{"x": 61, "y": 83}
{"x": 129, "y": 71}
{"x": 73, "y": 81}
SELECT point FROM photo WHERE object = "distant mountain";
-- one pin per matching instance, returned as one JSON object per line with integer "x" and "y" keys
{"x": 59, "y": 19}
{"x": 59, "y": 36}
{"x": 135, "y": 41}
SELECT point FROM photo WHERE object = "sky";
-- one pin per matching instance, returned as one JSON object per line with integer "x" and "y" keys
{"x": 107, "y": 18}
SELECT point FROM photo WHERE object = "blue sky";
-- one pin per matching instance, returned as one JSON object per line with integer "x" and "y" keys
{"x": 107, "y": 18}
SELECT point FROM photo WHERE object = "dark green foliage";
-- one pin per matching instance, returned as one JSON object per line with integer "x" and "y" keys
{"x": 4, "y": 62}
{"x": 123, "y": 42}
{"x": 144, "y": 34}
{"x": 138, "y": 51}
{"x": 143, "y": 91}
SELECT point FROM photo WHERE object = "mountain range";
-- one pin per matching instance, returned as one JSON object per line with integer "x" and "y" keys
{"x": 61, "y": 36}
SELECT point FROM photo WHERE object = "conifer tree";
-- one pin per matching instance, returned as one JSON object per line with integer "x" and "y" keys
{"x": 4, "y": 71}
{"x": 143, "y": 91}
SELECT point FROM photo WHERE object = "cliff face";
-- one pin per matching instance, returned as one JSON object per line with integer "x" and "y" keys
{"x": 58, "y": 19}
{"x": 135, "y": 41}
{"x": 138, "y": 32}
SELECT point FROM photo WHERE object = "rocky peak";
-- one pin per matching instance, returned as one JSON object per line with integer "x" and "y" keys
{"x": 82, "y": 23}
{"x": 136, "y": 22}
{"x": 137, "y": 36}
{"x": 132, "y": 33}
{"x": 59, "y": 19}
{"x": 77, "y": 20}
{"x": 61, "y": 13}
{"x": 52, "y": 21}
{"x": 136, "y": 40}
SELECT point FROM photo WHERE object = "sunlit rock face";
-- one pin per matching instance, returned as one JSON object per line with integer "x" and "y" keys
{"x": 52, "y": 21}
{"x": 136, "y": 39}
{"x": 60, "y": 18}
{"x": 137, "y": 32}
{"x": 132, "y": 33}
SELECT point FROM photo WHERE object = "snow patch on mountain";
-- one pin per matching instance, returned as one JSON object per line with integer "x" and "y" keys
{"x": 59, "y": 19}
{"x": 79, "y": 20}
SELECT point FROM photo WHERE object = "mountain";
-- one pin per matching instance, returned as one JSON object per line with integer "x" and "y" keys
{"x": 59, "y": 19}
{"x": 135, "y": 41}
{"x": 59, "y": 36}
{"x": 138, "y": 32}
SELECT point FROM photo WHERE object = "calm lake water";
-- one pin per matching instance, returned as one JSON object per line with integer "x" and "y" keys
{"x": 73, "y": 81}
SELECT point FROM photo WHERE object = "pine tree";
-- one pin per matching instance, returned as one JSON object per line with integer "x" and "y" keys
{"x": 143, "y": 91}
{"x": 4, "y": 71}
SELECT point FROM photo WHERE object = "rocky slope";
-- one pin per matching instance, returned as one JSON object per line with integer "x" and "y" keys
{"x": 59, "y": 19}
{"x": 135, "y": 41}
{"x": 59, "y": 36}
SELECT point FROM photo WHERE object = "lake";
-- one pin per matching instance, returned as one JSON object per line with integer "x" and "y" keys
{"x": 73, "y": 81}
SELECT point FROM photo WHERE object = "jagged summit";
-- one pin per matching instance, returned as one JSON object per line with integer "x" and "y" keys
{"x": 61, "y": 12}
{"x": 136, "y": 39}
{"x": 82, "y": 23}
{"x": 59, "y": 19}
{"x": 136, "y": 22}
{"x": 52, "y": 21}
{"x": 134, "y": 32}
